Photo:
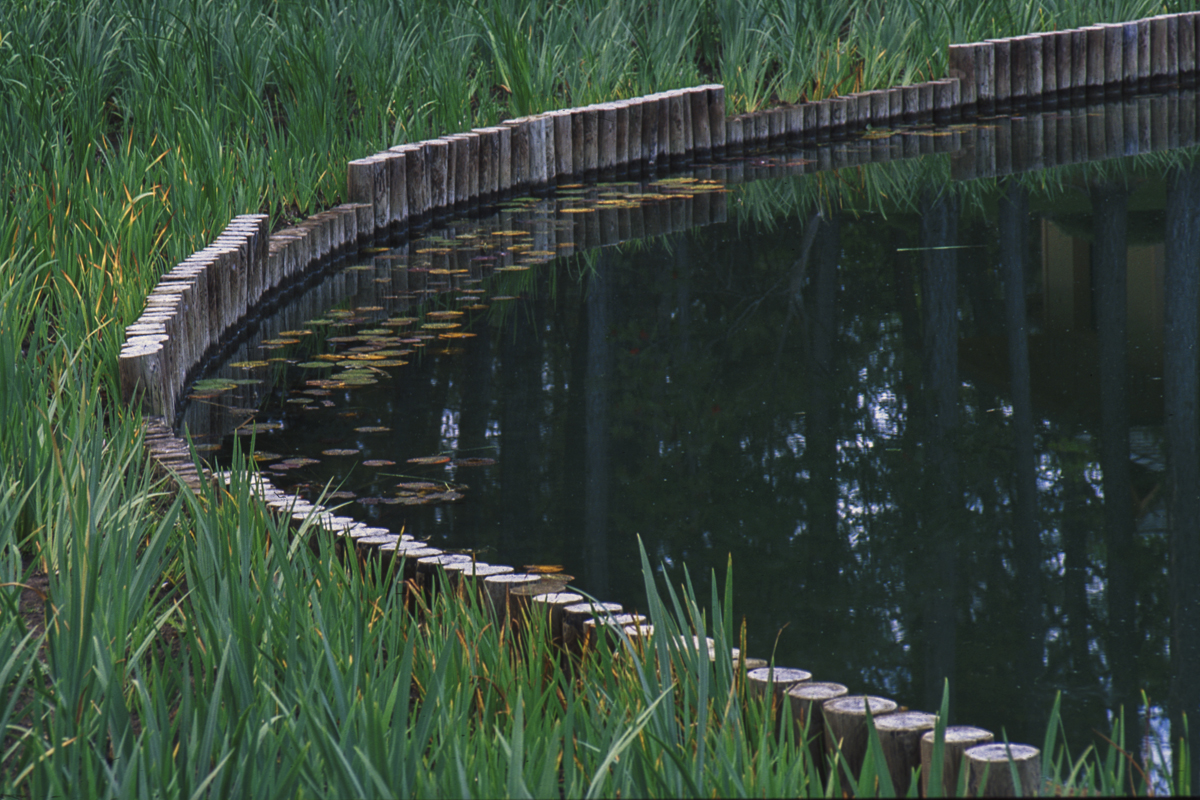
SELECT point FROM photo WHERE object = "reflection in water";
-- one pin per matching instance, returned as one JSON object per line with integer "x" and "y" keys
{"x": 1181, "y": 393}
{"x": 909, "y": 495}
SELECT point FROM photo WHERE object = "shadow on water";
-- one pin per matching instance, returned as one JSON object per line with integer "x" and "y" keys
{"x": 944, "y": 428}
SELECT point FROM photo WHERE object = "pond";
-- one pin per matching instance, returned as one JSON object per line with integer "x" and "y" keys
{"x": 923, "y": 418}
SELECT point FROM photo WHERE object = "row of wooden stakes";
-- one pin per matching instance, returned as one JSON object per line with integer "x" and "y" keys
{"x": 832, "y": 721}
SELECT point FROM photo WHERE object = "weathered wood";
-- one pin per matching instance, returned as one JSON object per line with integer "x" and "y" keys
{"x": 701, "y": 133}
{"x": 990, "y": 768}
{"x": 576, "y": 614}
{"x": 1049, "y": 49}
{"x": 636, "y": 157}
{"x": 807, "y": 699}
{"x": 733, "y": 137}
{"x": 649, "y": 135}
{"x": 1158, "y": 51}
{"x": 1002, "y": 73}
{"x": 1187, "y": 48}
{"x": 715, "y": 93}
{"x": 663, "y": 102}
{"x": 431, "y": 570}
{"x": 606, "y": 140}
{"x": 499, "y": 596}
{"x": 470, "y": 578}
{"x": 678, "y": 149}
{"x": 419, "y": 194}
{"x": 947, "y": 101}
{"x": 962, "y": 67}
{"x": 591, "y": 142}
{"x": 900, "y": 739}
{"x": 985, "y": 78}
{"x": 1114, "y": 59}
{"x": 552, "y": 607}
{"x": 621, "y": 138}
{"x": 958, "y": 739}
{"x": 539, "y": 155}
{"x": 1079, "y": 63}
{"x": 846, "y": 726}
{"x": 519, "y": 161}
{"x": 1096, "y": 64}
{"x": 564, "y": 151}
{"x": 594, "y": 627}
{"x": 774, "y": 683}
{"x": 1145, "y": 56}
{"x": 1064, "y": 53}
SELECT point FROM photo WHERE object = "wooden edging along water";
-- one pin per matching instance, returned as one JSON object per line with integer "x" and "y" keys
{"x": 407, "y": 188}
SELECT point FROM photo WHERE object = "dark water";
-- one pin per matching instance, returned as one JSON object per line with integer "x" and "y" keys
{"x": 927, "y": 432}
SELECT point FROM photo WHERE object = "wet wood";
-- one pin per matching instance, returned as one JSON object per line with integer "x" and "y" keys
{"x": 552, "y": 607}
{"x": 1096, "y": 65}
{"x": 701, "y": 133}
{"x": 807, "y": 699}
{"x": 990, "y": 770}
{"x": 1079, "y": 64}
{"x": 576, "y": 614}
{"x": 1002, "y": 73}
{"x": 635, "y": 159}
{"x": 958, "y": 739}
{"x": 677, "y": 149}
{"x": 985, "y": 78}
{"x": 498, "y": 593}
{"x": 591, "y": 142}
{"x": 715, "y": 93}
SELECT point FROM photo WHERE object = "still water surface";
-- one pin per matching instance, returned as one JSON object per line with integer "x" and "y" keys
{"x": 927, "y": 431}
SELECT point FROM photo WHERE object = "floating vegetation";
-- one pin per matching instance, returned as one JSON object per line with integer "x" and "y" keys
{"x": 342, "y": 494}
{"x": 248, "y": 364}
{"x": 340, "y": 451}
{"x": 430, "y": 460}
{"x": 378, "y": 462}
{"x": 474, "y": 462}
{"x": 373, "y": 429}
{"x": 251, "y": 428}
{"x": 440, "y": 315}
{"x": 440, "y": 326}
{"x": 314, "y": 365}
{"x": 300, "y": 401}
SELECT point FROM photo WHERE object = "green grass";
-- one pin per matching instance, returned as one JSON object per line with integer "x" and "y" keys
{"x": 189, "y": 648}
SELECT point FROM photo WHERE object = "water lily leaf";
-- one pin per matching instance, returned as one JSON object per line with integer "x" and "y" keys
{"x": 440, "y": 326}
{"x": 342, "y": 495}
{"x": 430, "y": 460}
{"x": 474, "y": 462}
{"x": 248, "y": 364}
{"x": 259, "y": 427}
{"x": 391, "y": 362}
{"x": 456, "y": 335}
{"x": 378, "y": 462}
{"x": 373, "y": 429}
{"x": 336, "y": 451}
{"x": 262, "y": 456}
{"x": 441, "y": 315}
{"x": 214, "y": 386}
{"x": 314, "y": 365}
{"x": 295, "y": 333}
{"x": 299, "y": 401}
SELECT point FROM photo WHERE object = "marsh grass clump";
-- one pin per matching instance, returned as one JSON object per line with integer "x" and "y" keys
{"x": 190, "y": 646}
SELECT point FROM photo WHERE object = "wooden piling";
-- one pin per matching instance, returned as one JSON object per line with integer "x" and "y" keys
{"x": 1002, "y": 73}
{"x": 962, "y": 67}
{"x": 650, "y": 136}
{"x": 552, "y": 607}
{"x": 1096, "y": 65}
{"x": 576, "y": 614}
{"x": 990, "y": 770}
{"x": 606, "y": 140}
{"x": 1187, "y": 48}
{"x": 1114, "y": 59}
{"x": 635, "y": 159}
{"x": 807, "y": 699}
{"x": 985, "y": 78}
{"x": 1079, "y": 64}
{"x": 947, "y": 101}
{"x": 733, "y": 137}
{"x": 846, "y": 726}
{"x": 519, "y": 158}
{"x": 701, "y": 133}
{"x": 1158, "y": 51}
{"x": 900, "y": 739}
{"x": 958, "y": 739}
{"x": 715, "y": 94}
{"x": 675, "y": 118}
{"x": 621, "y": 139}
{"x": 1048, "y": 44}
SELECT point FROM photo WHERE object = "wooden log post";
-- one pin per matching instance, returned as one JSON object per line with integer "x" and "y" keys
{"x": 468, "y": 581}
{"x": 1002, "y": 73}
{"x": 519, "y": 161}
{"x": 958, "y": 739}
{"x": 1035, "y": 54}
{"x": 552, "y": 607}
{"x": 1079, "y": 64}
{"x": 498, "y": 593}
{"x": 678, "y": 147}
{"x": 715, "y": 94}
{"x": 489, "y": 173}
{"x": 846, "y": 726}
{"x": 1172, "y": 50}
{"x": 419, "y": 193}
{"x": 596, "y": 627}
{"x": 635, "y": 160}
{"x": 733, "y": 137}
{"x": 1114, "y": 59}
{"x": 776, "y": 119}
{"x": 1187, "y": 48}
{"x": 650, "y": 154}
{"x": 1048, "y": 45}
{"x": 541, "y": 154}
{"x": 1130, "y": 57}
{"x": 576, "y": 614}
{"x": 1158, "y": 52}
{"x": 990, "y": 770}
{"x": 663, "y": 102}
{"x": 1064, "y": 55}
{"x": 807, "y": 699}
{"x": 1096, "y": 64}
{"x": 985, "y": 78}
{"x": 701, "y": 133}
{"x": 947, "y": 102}
{"x": 962, "y": 69}
{"x": 564, "y": 147}
{"x": 607, "y": 140}
{"x": 771, "y": 684}
{"x": 900, "y": 739}
{"x": 621, "y": 139}
{"x": 431, "y": 570}
{"x": 591, "y": 142}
